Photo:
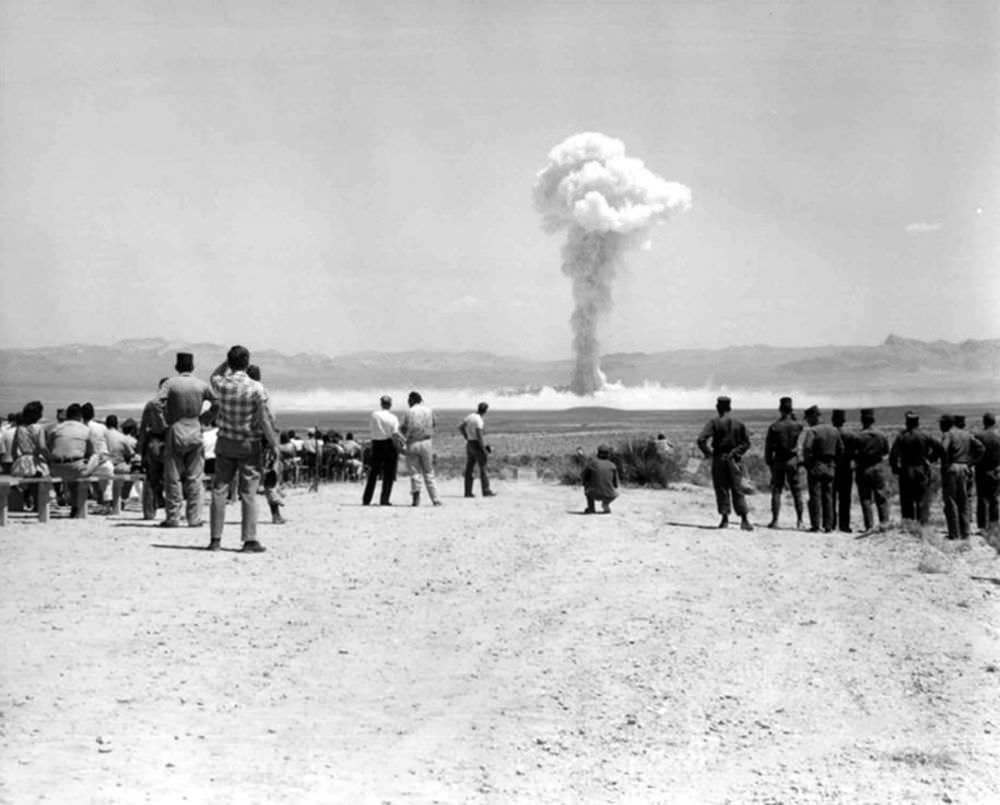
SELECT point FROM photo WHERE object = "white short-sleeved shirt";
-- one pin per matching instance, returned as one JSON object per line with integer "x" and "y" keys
{"x": 471, "y": 422}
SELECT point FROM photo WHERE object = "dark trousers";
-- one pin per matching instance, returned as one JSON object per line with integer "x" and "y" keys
{"x": 475, "y": 455}
{"x": 821, "y": 478}
{"x": 987, "y": 497}
{"x": 727, "y": 480}
{"x": 871, "y": 486}
{"x": 384, "y": 459}
{"x": 914, "y": 485}
{"x": 785, "y": 473}
{"x": 955, "y": 490}
{"x": 843, "y": 483}
{"x": 152, "y": 489}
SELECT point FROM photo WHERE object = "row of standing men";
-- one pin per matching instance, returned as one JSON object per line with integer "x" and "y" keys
{"x": 835, "y": 460}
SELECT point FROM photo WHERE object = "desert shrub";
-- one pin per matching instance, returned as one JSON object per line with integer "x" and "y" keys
{"x": 756, "y": 473}
{"x": 639, "y": 464}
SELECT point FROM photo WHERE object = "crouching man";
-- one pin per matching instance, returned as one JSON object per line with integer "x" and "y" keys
{"x": 600, "y": 481}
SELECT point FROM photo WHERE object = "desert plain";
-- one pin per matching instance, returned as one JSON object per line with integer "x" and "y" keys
{"x": 501, "y": 650}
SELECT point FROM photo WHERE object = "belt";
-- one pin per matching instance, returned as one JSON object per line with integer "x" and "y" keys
{"x": 65, "y": 460}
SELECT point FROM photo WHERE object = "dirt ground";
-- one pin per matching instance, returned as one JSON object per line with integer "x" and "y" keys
{"x": 494, "y": 651}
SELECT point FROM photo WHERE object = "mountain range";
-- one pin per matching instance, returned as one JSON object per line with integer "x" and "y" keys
{"x": 967, "y": 370}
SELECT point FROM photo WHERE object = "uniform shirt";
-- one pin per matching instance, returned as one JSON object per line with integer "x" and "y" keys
{"x": 821, "y": 442}
{"x": 870, "y": 447}
{"x": 183, "y": 397}
{"x": 71, "y": 440}
{"x": 470, "y": 425}
{"x": 152, "y": 422}
{"x": 418, "y": 423}
{"x": 243, "y": 406}
{"x": 850, "y": 442}
{"x": 384, "y": 424}
{"x": 781, "y": 440}
{"x": 728, "y": 435}
{"x": 990, "y": 440}
{"x": 960, "y": 448}
{"x": 913, "y": 448}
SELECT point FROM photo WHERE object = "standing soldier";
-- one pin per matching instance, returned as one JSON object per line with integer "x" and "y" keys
{"x": 821, "y": 446}
{"x": 729, "y": 442}
{"x": 910, "y": 458}
{"x": 871, "y": 448}
{"x": 960, "y": 452}
{"x": 988, "y": 475}
{"x": 781, "y": 455}
{"x": 844, "y": 477}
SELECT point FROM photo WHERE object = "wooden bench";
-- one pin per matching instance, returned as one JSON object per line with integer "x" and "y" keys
{"x": 45, "y": 485}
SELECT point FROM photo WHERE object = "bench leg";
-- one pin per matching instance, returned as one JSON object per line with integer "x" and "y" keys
{"x": 116, "y": 496}
{"x": 42, "y": 503}
{"x": 82, "y": 489}
{"x": 4, "y": 492}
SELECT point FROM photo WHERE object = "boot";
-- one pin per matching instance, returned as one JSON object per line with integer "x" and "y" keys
{"x": 416, "y": 499}
{"x": 745, "y": 523}
{"x": 724, "y": 522}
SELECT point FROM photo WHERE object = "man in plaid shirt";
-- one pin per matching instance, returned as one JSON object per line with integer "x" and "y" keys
{"x": 244, "y": 421}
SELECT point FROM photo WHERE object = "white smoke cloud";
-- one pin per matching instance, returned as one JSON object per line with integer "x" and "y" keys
{"x": 608, "y": 203}
{"x": 921, "y": 227}
{"x": 649, "y": 396}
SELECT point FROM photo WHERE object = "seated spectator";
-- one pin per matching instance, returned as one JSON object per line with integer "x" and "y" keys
{"x": 7, "y": 442}
{"x": 73, "y": 453}
{"x": 28, "y": 451}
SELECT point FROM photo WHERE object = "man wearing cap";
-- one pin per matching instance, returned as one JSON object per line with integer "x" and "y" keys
{"x": 988, "y": 475}
{"x": 182, "y": 398}
{"x": 782, "y": 456}
{"x": 384, "y": 454}
{"x": 418, "y": 428}
{"x": 871, "y": 449}
{"x": 473, "y": 430}
{"x": 910, "y": 458}
{"x": 729, "y": 442}
{"x": 821, "y": 445}
{"x": 843, "y": 480}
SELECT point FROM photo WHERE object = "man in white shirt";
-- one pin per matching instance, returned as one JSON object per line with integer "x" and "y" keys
{"x": 384, "y": 455}
{"x": 474, "y": 430}
{"x": 418, "y": 428}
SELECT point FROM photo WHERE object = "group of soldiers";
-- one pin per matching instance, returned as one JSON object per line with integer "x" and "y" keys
{"x": 835, "y": 460}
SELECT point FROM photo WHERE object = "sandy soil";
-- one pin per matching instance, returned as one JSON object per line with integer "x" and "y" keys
{"x": 493, "y": 651}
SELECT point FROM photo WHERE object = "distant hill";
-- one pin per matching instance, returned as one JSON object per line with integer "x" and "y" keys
{"x": 135, "y": 365}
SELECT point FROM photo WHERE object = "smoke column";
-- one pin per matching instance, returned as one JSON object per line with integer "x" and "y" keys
{"x": 609, "y": 204}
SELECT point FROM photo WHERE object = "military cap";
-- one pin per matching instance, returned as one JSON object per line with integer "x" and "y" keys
{"x": 912, "y": 418}
{"x": 185, "y": 362}
{"x": 812, "y": 410}
{"x": 785, "y": 404}
{"x": 946, "y": 420}
{"x": 603, "y": 451}
{"x": 959, "y": 420}
{"x": 867, "y": 413}
{"x": 724, "y": 403}
{"x": 839, "y": 416}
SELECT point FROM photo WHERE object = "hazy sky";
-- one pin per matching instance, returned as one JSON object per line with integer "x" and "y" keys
{"x": 337, "y": 176}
